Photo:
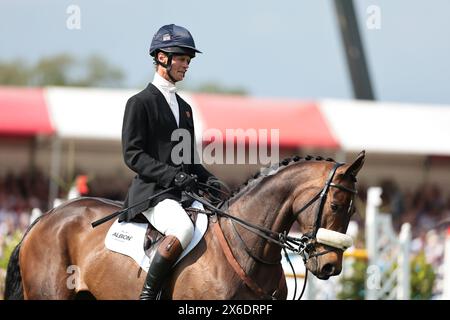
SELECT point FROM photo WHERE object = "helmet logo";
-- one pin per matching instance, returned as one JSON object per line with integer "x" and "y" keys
{"x": 166, "y": 37}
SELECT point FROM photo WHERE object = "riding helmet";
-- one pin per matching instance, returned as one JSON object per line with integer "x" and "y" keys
{"x": 173, "y": 39}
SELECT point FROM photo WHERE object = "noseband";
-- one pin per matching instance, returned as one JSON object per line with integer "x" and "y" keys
{"x": 308, "y": 241}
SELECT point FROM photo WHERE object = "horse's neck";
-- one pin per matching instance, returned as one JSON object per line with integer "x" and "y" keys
{"x": 268, "y": 206}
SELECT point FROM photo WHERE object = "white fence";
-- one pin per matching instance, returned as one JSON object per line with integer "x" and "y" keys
{"x": 388, "y": 272}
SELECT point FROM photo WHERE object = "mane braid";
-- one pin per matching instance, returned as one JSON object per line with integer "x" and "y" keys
{"x": 271, "y": 170}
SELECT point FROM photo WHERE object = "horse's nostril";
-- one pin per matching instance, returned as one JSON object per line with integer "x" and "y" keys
{"x": 328, "y": 269}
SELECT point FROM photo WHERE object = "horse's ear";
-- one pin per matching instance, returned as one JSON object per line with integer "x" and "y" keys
{"x": 354, "y": 168}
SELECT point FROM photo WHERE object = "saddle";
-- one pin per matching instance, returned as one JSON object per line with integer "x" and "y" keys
{"x": 154, "y": 237}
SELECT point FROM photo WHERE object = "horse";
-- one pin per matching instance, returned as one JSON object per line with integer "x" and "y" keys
{"x": 62, "y": 257}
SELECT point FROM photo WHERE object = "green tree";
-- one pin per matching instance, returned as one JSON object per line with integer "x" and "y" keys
{"x": 14, "y": 73}
{"x": 100, "y": 73}
{"x": 52, "y": 71}
{"x": 61, "y": 70}
{"x": 214, "y": 87}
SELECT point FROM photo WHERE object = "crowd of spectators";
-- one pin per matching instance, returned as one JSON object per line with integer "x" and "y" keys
{"x": 425, "y": 208}
{"x": 21, "y": 193}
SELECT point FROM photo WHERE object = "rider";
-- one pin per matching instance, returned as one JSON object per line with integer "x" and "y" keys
{"x": 150, "y": 118}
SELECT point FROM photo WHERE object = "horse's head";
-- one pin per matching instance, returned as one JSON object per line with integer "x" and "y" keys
{"x": 323, "y": 209}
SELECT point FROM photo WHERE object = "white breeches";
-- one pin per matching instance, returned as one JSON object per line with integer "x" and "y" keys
{"x": 169, "y": 218}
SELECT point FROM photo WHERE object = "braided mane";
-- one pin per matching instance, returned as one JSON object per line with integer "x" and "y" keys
{"x": 269, "y": 171}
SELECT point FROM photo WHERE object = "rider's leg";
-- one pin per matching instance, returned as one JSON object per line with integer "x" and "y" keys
{"x": 169, "y": 218}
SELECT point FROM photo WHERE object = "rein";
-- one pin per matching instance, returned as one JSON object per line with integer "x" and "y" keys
{"x": 282, "y": 240}
{"x": 275, "y": 237}
{"x": 302, "y": 246}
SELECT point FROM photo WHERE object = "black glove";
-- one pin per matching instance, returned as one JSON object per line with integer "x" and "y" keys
{"x": 184, "y": 181}
{"x": 215, "y": 184}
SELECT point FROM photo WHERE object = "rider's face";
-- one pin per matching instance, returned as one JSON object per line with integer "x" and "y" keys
{"x": 180, "y": 65}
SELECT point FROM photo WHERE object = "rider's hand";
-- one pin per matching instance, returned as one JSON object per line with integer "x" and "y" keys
{"x": 215, "y": 184}
{"x": 184, "y": 181}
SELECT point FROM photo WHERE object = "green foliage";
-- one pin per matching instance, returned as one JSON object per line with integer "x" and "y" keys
{"x": 353, "y": 284}
{"x": 100, "y": 73}
{"x": 214, "y": 87}
{"x": 61, "y": 70}
{"x": 14, "y": 73}
{"x": 8, "y": 247}
{"x": 422, "y": 278}
{"x": 52, "y": 71}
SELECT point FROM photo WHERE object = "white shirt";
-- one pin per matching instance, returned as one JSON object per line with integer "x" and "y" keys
{"x": 168, "y": 90}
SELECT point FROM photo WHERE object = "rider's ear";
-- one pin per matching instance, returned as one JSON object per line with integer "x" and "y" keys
{"x": 354, "y": 168}
{"x": 162, "y": 57}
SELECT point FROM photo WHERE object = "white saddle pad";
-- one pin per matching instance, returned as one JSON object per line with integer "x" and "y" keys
{"x": 128, "y": 238}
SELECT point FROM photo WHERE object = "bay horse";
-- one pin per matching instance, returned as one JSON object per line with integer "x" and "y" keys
{"x": 62, "y": 257}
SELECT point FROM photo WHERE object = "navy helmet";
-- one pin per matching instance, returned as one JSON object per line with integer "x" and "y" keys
{"x": 173, "y": 39}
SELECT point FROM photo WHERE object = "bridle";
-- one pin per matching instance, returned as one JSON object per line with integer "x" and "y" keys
{"x": 309, "y": 240}
{"x": 303, "y": 246}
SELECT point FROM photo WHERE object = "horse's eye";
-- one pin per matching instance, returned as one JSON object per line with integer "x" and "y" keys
{"x": 334, "y": 207}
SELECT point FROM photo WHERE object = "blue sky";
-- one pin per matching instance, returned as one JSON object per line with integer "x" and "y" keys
{"x": 272, "y": 48}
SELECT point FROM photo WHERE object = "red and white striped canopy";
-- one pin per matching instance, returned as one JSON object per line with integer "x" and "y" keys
{"x": 24, "y": 112}
{"x": 87, "y": 113}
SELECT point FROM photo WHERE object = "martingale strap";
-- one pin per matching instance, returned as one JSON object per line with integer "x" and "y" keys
{"x": 236, "y": 266}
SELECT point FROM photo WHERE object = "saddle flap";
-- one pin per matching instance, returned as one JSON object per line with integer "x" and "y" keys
{"x": 137, "y": 240}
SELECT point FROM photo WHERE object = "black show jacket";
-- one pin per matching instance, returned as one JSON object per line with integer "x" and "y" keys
{"x": 148, "y": 124}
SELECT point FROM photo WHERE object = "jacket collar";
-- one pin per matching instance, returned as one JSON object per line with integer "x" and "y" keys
{"x": 163, "y": 84}
{"x": 184, "y": 112}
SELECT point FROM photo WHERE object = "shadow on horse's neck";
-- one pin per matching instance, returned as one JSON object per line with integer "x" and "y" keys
{"x": 266, "y": 202}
